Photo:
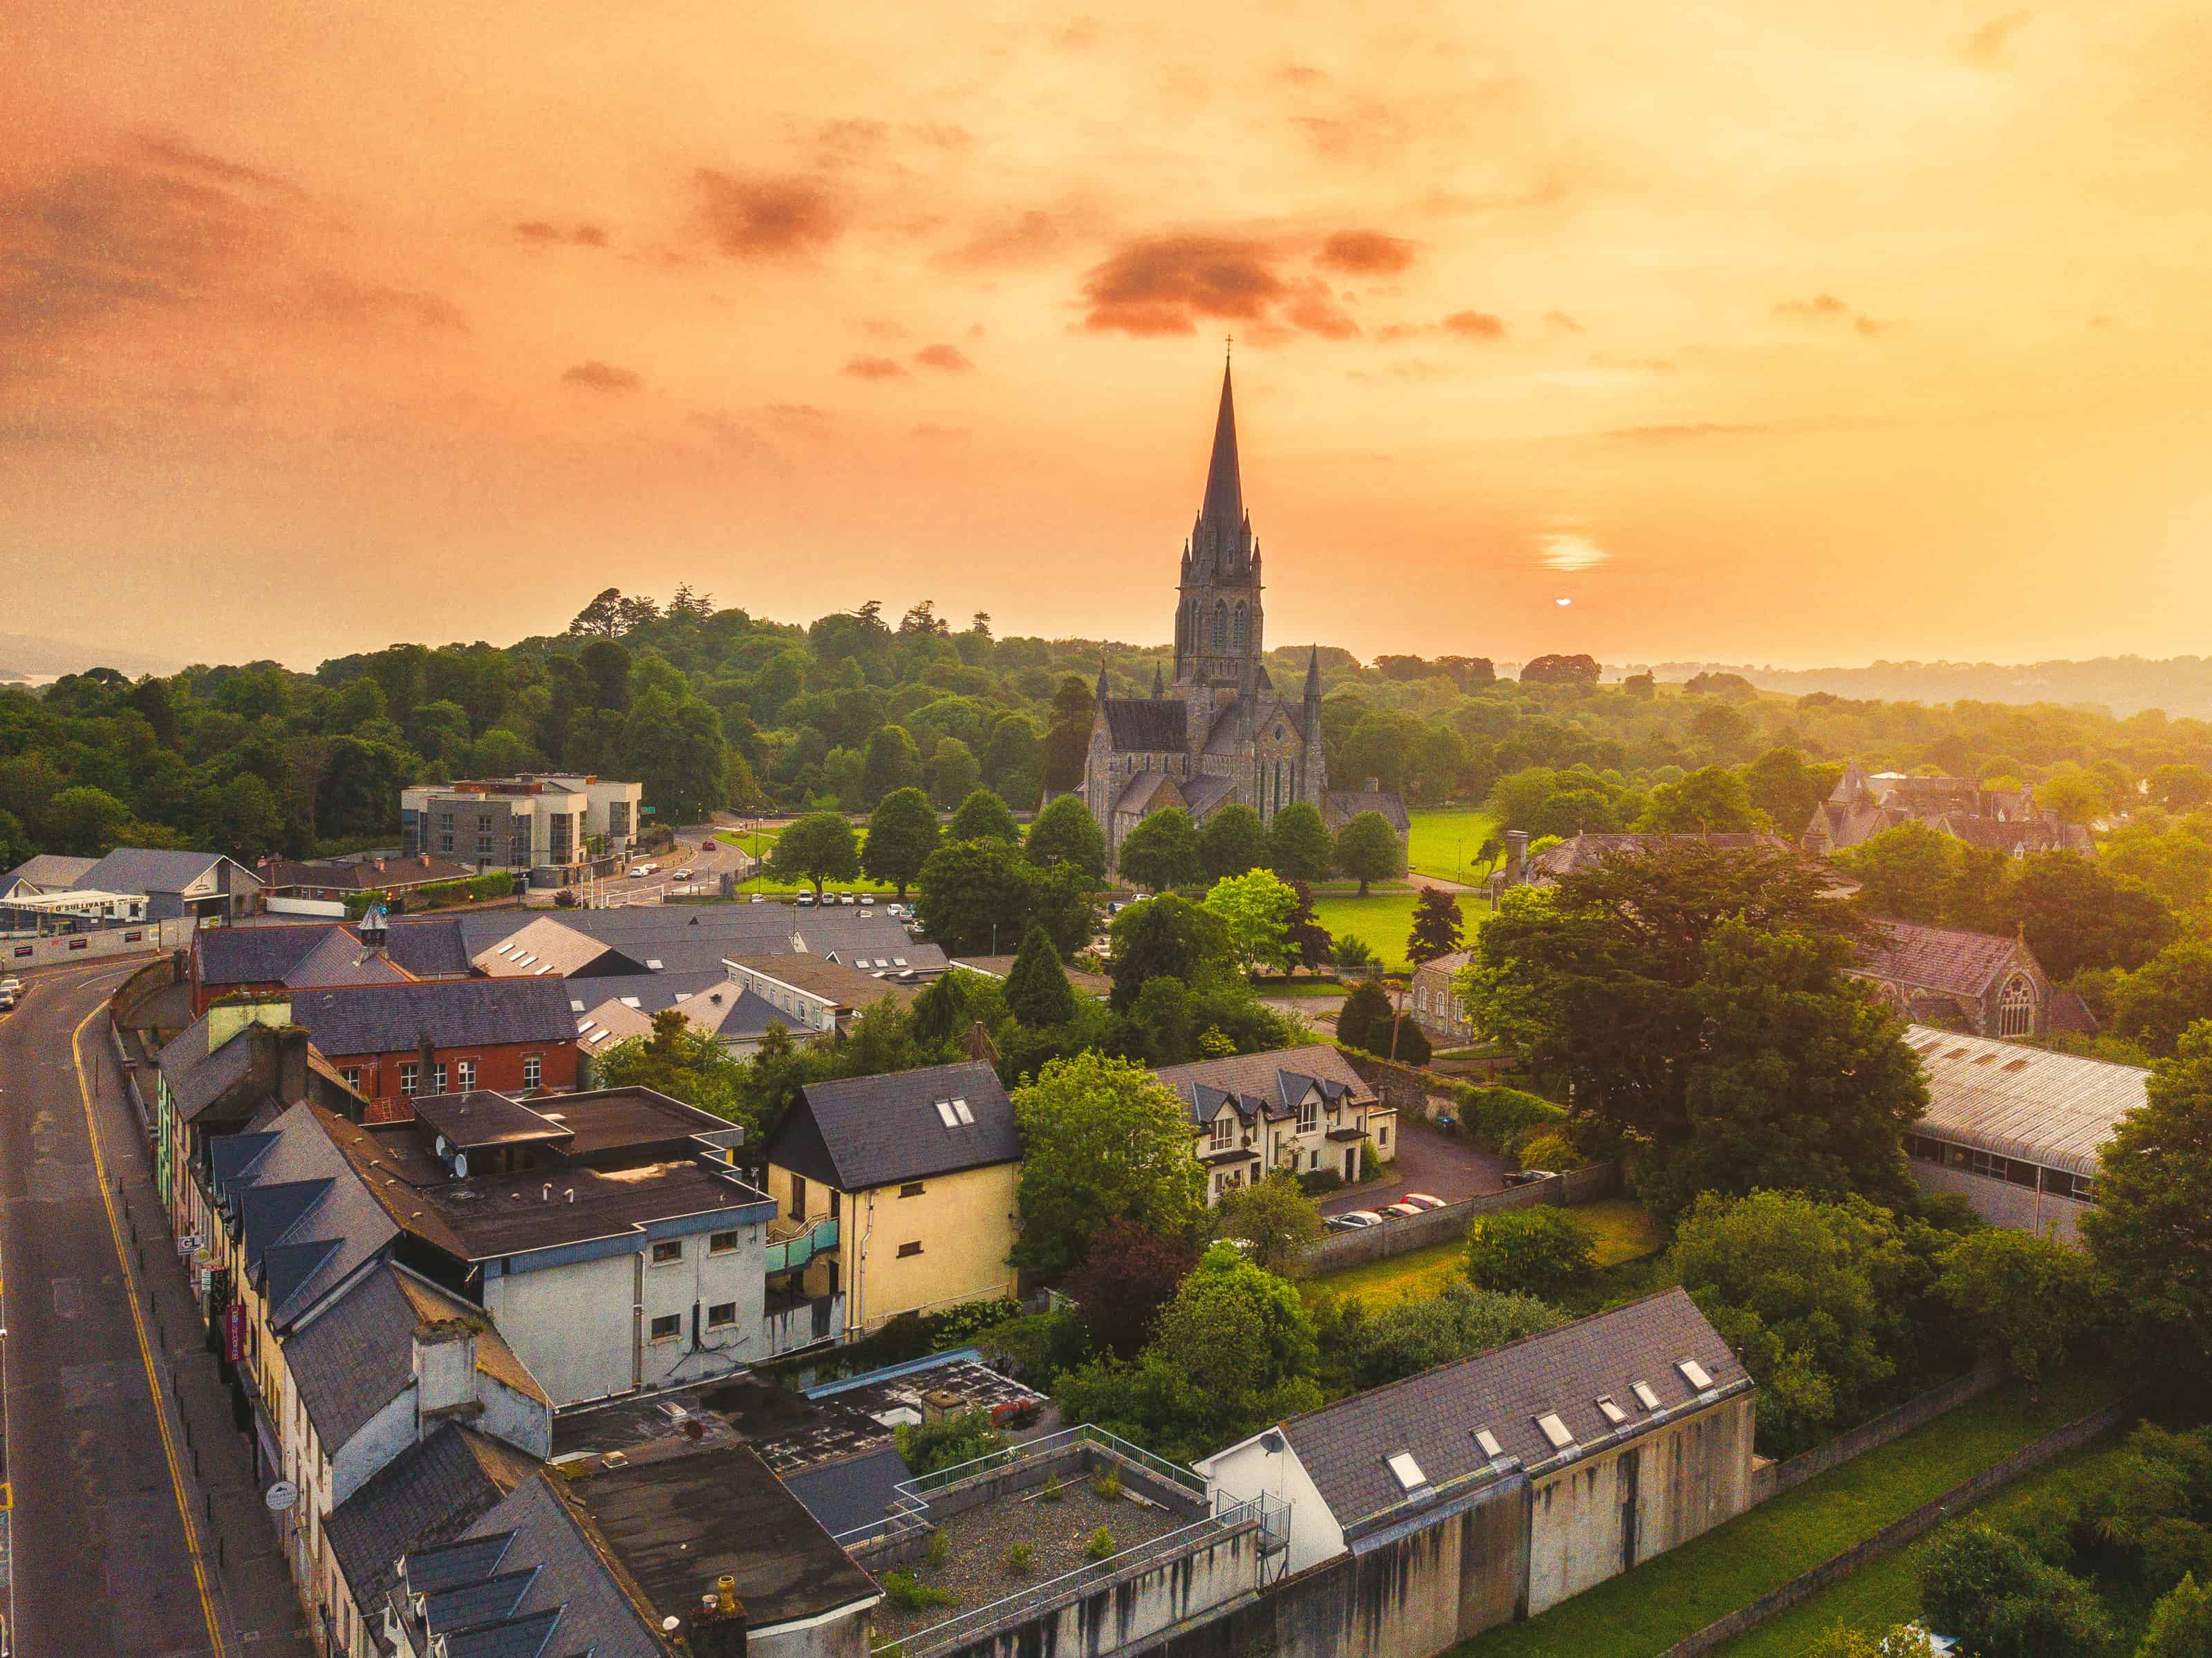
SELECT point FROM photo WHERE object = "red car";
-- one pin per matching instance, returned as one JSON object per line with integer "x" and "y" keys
{"x": 1405, "y": 1210}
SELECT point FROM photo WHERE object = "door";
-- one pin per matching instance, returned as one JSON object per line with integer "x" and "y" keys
{"x": 1351, "y": 1165}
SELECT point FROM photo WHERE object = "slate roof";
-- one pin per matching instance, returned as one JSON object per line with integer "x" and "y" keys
{"x": 257, "y": 955}
{"x": 1203, "y": 793}
{"x": 852, "y": 1492}
{"x": 1270, "y": 1084}
{"x": 1149, "y": 791}
{"x": 48, "y": 871}
{"x": 1577, "y": 851}
{"x": 548, "y": 948}
{"x": 340, "y": 957}
{"x": 2041, "y": 1108}
{"x": 198, "y": 1078}
{"x": 428, "y": 949}
{"x": 1345, "y": 1446}
{"x": 1939, "y": 958}
{"x": 1146, "y": 725}
{"x": 843, "y": 985}
{"x": 456, "y": 1014}
{"x": 139, "y": 869}
{"x": 362, "y": 875}
{"x": 865, "y": 1132}
{"x": 339, "y": 1210}
{"x": 429, "y": 1494}
{"x": 1346, "y": 804}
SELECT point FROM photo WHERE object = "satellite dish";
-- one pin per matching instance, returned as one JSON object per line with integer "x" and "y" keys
{"x": 441, "y": 1145}
{"x": 460, "y": 1166}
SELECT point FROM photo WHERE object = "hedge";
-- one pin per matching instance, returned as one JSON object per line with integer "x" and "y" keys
{"x": 438, "y": 894}
{"x": 1500, "y": 1118}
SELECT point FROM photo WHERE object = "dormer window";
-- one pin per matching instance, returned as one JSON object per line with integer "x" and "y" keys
{"x": 1486, "y": 1442}
{"x": 1225, "y": 1131}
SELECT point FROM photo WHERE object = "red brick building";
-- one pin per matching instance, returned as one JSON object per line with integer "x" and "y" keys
{"x": 391, "y": 1042}
{"x": 273, "y": 960}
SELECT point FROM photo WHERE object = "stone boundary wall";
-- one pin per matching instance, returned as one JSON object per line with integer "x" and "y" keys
{"x": 65, "y": 949}
{"x": 1899, "y": 1533}
{"x": 1771, "y": 1479}
{"x": 1402, "y": 1088}
{"x": 149, "y": 980}
{"x": 1398, "y": 1235}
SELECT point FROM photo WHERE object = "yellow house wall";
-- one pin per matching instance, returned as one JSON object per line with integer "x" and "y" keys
{"x": 964, "y": 1223}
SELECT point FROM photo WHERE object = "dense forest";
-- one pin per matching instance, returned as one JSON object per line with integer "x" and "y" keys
{"x": 714, "y": 708}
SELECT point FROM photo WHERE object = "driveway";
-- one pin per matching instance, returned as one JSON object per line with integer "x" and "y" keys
{"x": 1429, "y": 1161}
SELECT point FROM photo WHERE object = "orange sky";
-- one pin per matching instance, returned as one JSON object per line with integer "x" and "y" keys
{"x": 1800, "y": 333}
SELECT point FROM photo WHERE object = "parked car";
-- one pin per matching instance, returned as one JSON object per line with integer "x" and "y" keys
{"x": 1342, "y": 1224}
{"x": 683, "y": 874}
{"x": 757, "y": 898}
{"x": 1528, "y": 1176}
{"x": 1361, "y": 1217}
{"x": 1404, "y": 1210}
{"x": 805, "y": 900}
{"x": 11, "y": 991}
{"x": 1423, "y": 1200}
{"x": 846, "y": 897}
{"x": 867, "y": 902}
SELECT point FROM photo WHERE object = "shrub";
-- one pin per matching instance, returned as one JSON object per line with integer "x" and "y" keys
{"x": 928, "y": 1447}
{"x": 1052, "y": 1492}
{"x": 2180, "y": 1623}
{"x": 1536, "y": 1251}
{"x": 1314, "y": 1182}
{"x": 1994, "y": 1593}
{"x": 1552, "y": 1151}
{"x": 1354, "y": 959}
{"x": 957, "y": 1325}
{"x": 939, "y": 1548}
{"x": 1498, "y": 1117}
{"x": 1101, "y": 1545}
{"x": 1018, "y": 1556}
{"x": 1107, "y": 1485}
{"x": 909, "y": 1594}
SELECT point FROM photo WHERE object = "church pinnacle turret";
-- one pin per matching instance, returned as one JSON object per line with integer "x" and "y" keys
{"x": 1223, "y": 526}
{"x": 1218, "y": 623}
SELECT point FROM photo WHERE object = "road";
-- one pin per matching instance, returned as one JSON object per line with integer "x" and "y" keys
{"x": 702, "y": 855}
{"x": 103, "y": 1528}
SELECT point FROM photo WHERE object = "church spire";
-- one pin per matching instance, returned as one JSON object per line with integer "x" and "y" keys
{"x": 1222, "y": 520}
{"x": 1102, "y": 676}
{"x": 1313, "y": 675}
{"x": 1159, "y": 683}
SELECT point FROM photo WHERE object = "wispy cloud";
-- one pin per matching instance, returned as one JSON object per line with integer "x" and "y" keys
{"x": 873, "y": 368}
{"x": 598, "y": 376}
{"x": 1569, "y": 550}
{"x": 1984, "y": 47}
{"x": 950, "y": 358}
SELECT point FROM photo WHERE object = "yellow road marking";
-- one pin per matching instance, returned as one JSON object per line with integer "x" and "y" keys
{"x": 145, "y": 1350}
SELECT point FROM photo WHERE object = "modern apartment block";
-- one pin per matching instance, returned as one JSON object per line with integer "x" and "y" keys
{"x": 535, "y": 822}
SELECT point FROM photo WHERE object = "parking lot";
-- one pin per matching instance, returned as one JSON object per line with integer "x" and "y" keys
{"x": 1442, "y": 1165}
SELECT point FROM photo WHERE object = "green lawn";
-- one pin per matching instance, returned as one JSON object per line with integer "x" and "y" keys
{"x": 760, "y": 842}
{"x": 1880, "y": 1596}
{"x": 1383, "y": 919}
{"x": 1647, "y": 1610}
{"x": 1623, "y": 1230}
{"x": 1446, "y": 843}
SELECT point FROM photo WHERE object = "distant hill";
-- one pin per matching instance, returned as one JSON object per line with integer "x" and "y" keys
{"x": 2181, "y": 685}
{"x": 38, "y": 658}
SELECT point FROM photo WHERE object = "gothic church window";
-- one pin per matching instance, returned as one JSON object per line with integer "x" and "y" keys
{"x": 1220, "y": 640}
{"x": 1236, "y": 638}
{"x": 2016, "y": 1010}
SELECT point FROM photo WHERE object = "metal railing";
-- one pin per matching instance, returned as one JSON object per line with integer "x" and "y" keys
{"x": 969, "y": 1625}
{"x": 797, "y": 1252}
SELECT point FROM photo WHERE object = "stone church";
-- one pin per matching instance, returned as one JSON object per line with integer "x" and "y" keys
{"x": 1221, "y": 732}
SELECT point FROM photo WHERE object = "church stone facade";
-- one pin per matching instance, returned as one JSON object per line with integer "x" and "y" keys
{"x": 1221, "y": 732}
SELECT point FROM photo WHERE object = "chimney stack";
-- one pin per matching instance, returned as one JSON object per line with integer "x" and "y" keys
{"x": 426, "y": 1065}
{"x": 718, "y": 1628}
{"x": 444, "y": 1366}
{"x": 1516, "y": 856}
{"x": 1374, "y": 785}
{"x": 292, "y": 1063}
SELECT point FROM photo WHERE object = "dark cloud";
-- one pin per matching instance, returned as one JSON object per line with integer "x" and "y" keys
{"x": 580, "y": 235}
{"x": 1475, "y": 325}
{"x": 873, "y": 368}
{"x": 1365, "y": 252}
{"x": 603, "y": 377}
{"x": 1984, "y": 47}
{"x": 329, "y": 298}
{"x": 1168, "y": 285}
{"x": 949, "y": 357}
{"x": 752, "y": 215}
{"x": 1564, "y": 323}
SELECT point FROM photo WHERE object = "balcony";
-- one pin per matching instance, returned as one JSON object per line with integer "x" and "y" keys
{"x": 788, "y": 1254}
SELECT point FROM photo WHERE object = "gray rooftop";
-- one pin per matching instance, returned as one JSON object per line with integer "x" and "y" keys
{"x": 864, "y": 1131}
{"x": 453, "y": 1014}
{"x": 2026, "y": 1103}
{"x": 429, "y": 1494}
{"x": 311, "y": 1223}
{"x": 139, "y": 869}
{"x": 1271, "y": 1084}
{"x": 198, "y": 1078}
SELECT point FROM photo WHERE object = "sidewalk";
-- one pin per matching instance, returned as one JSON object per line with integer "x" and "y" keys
{"x": 259, "y": 1608}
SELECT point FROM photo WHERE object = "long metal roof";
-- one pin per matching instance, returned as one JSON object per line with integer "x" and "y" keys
{"x": 2041, "y": 1108}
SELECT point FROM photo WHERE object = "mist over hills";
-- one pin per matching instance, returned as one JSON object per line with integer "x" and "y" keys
{"x": 2179, "y": 685}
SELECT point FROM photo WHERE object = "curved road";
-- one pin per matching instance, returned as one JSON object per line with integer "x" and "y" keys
{"x": 103, "y": 1529}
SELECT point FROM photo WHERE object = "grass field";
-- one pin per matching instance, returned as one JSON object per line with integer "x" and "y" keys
{"x": 1445, "y": 842}
{"x": 1664, "y": 1600}
{"x": 1624, "y": 1231}
{"x": 759, "y": 841}
{"x": 1381, "y": 920}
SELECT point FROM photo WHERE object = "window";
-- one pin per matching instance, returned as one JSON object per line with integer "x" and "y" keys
{"x": 799, "y": 1197}
{"x": 667, "y": 1255}
{"x": 1309, "y": 1114}
{"x": 1487, "y": 1443}
{"x": 1237, "y": 634}
{"x": 1313, "y": 1160}
{"x": 1695, "y": 1374}
{"x": 465, "y": 1070}
{"x": 1383, "y": 1137}
{"x": 351, "y": 1073}
{"x": 721, "y": 1243}
{"x": 722, "y": 1315}
{"x": 445, "y": 843}
{"x": 906, "y": 1249}
{"x": 1220, "y": 635}
{"x": 407, "y": 1079}
{"x": 483, "y": 847}
{"x": 668, "y": 1326}
{"x": 533, "y": 1067}
{"x": 913, "y": 1189}
{"x": 2016, "y": 1007}
{"x": 1225, "y": 1131}
{"x": 438, "y": 1077}
{"x": 444, "y": 819}
{"x": 1645, "y": 1395}
{"x": 836, "y": 1198}
{"x": 1554, "y": 1431}
{"x": 1611, "y": 1412}
{"x": 1407, "y": 1471}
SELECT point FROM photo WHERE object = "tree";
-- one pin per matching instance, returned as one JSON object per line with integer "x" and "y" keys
{"x": 2075, "y": 914}
{"x": 1231, "y": 841}
{"x": 1066, "y": 832}
{"x": 1299, "y": 845}
{"x": 1598, "y": 976}
{"x": 2155, "y": 1004}
{"x": 1539, "y": 1252}
{"x": 2001, "y": 1600}
{"x": 1560, "y": 670}
{"x": 1787, "y": 789}
{"x": 974, "y": 896}
{"x": 983, "y": 816}
{"x": 902, "y": 834}
{"x": 1255, "y": 908}
{"x": 1436, "y": 925}
{"x": 602, "y": 618}
{"x": 1899, "y": 1641}
{"x": 1275, "y": 1217}
{"x": 2151, "y": 1228}
{"x": 1127, "y": 1274}
{"x": 893, "y": 762}
{"x": 2075, "y": 796}
{"x": 1364, "y": 1011}
{"x": 1905, "y": 873}
{"x": 2180, "y": 788}
{"x": 1063, "y": 901}
{"x": 1067, "y": 739}
{"x": 86, "y": 822}
{"x": 1038, "y": 990}
{"x": 684, "y": 1063}
{"x": 1306, "y": 942}
{"x": 1801, "y": 1079}
{"x": 1102, "y": 1140}
{"x": 1165, "y": 936}
{"x": 1371, "y": 1345}
{"x": 819, "y": 847}
{"x": 1162, "y": 851}
{"x": 1353, "y": 956}
{"x": 953, "y": 773}
{"x": 1712, "y": 800}
{"x": 2180, "y": 1623}
{"x": 1367, "y": 849}
{"x": 2025, "y": 1297}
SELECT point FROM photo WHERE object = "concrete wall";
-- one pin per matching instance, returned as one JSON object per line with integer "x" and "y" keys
{"x": 1250, "y": 1469}
{"x": 19, "y": 955}
{"x": 376, "y": 1443}
{"x": 1127, "y": 1608}
{"x": 840, "y": 1637}
{"x": 2002, "y": 1203}
{"x": 1397, "y": 1236}
{"x": 573, "y": 1325}
{"x": 1681, "y": 1480}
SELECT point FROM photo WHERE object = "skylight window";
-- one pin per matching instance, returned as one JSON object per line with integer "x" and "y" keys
{"x": 1555, "y": 1430}
{"x": 542, "y": 970}
{"x": 898, "y": 961}
{"x": 524, "y": 960}
{"x": 1645, "y": 1396}
{"x": 944, "y": 1115}
{"x": 1612, "y": 1413}
{"x": 960, "y": 1110}
{"x": 575, "y": 1007}
{"x": 1487, "y": 1443}
{"x": 654, "y": 962}
{"x": 631, "y": 1002}
{"x": 1407, "y": 1472}
{"x": 1695, "y": 1374}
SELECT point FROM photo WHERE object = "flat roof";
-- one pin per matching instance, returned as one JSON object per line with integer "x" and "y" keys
{"x": 481, "y": 1117}
{"x": 2054, "y": 1109}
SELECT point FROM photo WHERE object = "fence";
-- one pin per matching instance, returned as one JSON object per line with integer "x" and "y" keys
{"x": 1395, "y": 1237}
{"x": 1771, "y": 1479}
{"x": 1899, "y": 1533}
